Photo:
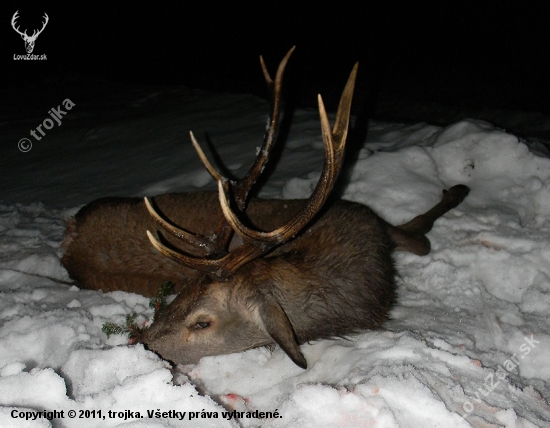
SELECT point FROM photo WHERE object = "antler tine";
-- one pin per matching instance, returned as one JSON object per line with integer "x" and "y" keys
{"x": 209, "y": 167}
{"x": 201, "y": 264}
{"x": 194, "y": 240}
{"x": 334, "y": 149}
{"x": 341, "y": 123}
{"x": 242, "y": 188}
{"x": 221, "y": 268}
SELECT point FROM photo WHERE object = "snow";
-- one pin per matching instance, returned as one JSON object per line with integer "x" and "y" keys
{"x": 468, "y": 341}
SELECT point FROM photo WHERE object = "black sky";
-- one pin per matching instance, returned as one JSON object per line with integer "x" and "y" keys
{"x": 453, "y": 52}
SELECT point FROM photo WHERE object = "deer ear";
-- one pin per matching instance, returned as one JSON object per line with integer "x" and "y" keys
{"x": 278, "y": 326}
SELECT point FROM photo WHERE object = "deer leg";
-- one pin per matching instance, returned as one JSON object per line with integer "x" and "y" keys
{"x": 411, "y": 235}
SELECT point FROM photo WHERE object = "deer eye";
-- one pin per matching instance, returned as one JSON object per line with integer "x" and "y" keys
{"x": 201, "y": 325}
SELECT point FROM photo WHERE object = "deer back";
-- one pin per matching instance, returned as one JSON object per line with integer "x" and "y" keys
{"x": 106, "y": 247}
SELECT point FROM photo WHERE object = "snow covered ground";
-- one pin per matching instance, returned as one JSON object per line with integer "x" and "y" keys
{"x": 468, "y": 342}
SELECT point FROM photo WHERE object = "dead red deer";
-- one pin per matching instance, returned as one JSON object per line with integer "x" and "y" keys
{"x": 242, "y": 279}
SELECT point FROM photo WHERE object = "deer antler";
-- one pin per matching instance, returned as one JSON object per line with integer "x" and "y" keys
{"x": 218, "y": 242}
{"x": 29, "y": 40}
{"x": 335, "y": 141}
{"x": 257, "y": 243}
{"x": 43, "y": 26}
{"x": 35, "y": 33}
{"x": 13, "y": 19}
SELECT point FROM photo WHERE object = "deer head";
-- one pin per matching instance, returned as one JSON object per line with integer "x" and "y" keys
{"x": 29, "y": 40}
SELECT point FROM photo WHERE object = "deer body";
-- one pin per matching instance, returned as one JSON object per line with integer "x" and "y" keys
{"x": 115, "y": 257}
{"x": 250, "y": 272}
{"x": 335, "y": 278}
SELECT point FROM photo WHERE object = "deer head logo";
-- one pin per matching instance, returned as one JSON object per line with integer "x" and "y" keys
{"x": 29, "y": 40}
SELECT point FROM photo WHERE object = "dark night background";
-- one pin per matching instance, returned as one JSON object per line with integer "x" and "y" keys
{"x": 455, "y": 55}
